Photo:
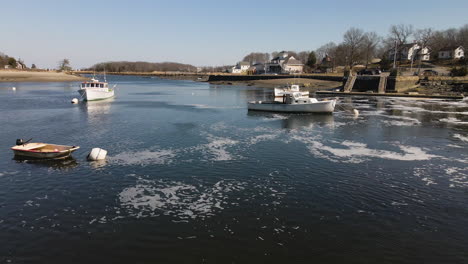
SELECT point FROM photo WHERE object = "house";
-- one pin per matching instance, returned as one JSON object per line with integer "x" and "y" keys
{"x": 284, "y": 63}
{"x": 257, "y": 68}
{"x": 454, "y": 52}
{"x": 241, "y": 67}
{"x": 410, "y": 52}
{"x": 293, "y": 65}
{"x": 20, "y": 65}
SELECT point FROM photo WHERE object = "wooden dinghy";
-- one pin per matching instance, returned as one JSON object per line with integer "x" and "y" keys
{"x": 42, "y": 150}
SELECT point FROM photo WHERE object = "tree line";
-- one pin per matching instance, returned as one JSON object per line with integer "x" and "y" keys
{"x": 141, "y": 66}
{"x": 360, "y": 47}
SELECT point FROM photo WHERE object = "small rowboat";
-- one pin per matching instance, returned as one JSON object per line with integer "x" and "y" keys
{"x": 43, "y": 150}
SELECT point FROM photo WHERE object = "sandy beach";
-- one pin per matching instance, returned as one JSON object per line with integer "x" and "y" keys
{"x": 32, "y": 76}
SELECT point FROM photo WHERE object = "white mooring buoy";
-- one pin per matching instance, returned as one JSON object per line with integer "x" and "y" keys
{"x": 74, "y": 101}
{"x": 356, "y": 112}
{"x": 97, "y": 154}
{"x": 13, "y": 88}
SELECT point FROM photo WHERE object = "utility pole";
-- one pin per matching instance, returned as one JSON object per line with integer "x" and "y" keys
{"x": 395, "y": 54}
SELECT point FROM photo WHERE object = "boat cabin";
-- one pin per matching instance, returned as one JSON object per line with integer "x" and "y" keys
{"x": 94, "y": 85}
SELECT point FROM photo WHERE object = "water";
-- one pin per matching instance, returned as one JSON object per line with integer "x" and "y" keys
{"x": 193, "y": 177}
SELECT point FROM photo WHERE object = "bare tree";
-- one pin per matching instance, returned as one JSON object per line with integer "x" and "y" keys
{"x": 353, "y": 41}
{"x": 257, "y": 57}
{"x": 324, "y": 50}
{"x": 370, "y": 43}
{"x": 401, "y": 33}
{"x": 424, "y": 36}
{"x": 303, "y": 56}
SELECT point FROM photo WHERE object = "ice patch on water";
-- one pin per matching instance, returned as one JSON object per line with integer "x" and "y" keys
{"x": 457, "y": 176}
{"x": 216, "y": 149}
{"x": 355, "y": 152}
{"x": 462, "y": 138}
{"x": 184, "y": 201}
{"x": 144, "y": 157}
{"x": 400, "y": 123}
{"x": 453, "y": 120}
{"x": 260, "y": 138}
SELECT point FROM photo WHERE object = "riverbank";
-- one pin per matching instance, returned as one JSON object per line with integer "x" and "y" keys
{"x": 39, "y": 76}
{"x": 307, "y": 84}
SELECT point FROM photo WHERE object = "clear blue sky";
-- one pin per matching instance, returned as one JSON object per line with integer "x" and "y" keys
{"x": 200, "y": 32}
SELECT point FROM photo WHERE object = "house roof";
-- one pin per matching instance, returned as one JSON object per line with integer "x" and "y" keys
{"x": 450, "y": 48}
{"x": 244, "y": 63}
{"x": 293, "y": 61}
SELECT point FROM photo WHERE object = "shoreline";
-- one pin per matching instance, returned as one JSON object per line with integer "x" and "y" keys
{"x": 9, "y": 76}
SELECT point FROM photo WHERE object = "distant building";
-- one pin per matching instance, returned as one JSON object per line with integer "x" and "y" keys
{"x": 241, "y": 67}
{"x": 409, "y": 52}
{"x": 454, "y": 52}
{"x": 284, "y": 63}
{"x": 20, "y": 65}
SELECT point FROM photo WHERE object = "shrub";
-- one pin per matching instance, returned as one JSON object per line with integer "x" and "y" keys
{"x": 459, "y": 71}
{"x": 394, "y": 72}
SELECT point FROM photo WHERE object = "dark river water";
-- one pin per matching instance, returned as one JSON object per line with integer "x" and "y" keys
{"x": 193, "y": 177}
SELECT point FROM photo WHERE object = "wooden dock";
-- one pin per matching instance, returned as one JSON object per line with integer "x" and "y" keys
{"x": 455, "y": 97}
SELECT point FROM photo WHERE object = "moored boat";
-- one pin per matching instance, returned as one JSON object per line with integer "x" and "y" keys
{"x": 294, "y": 103}
{"x": 95, "y": 90}
{"x": 279, "y": 92}
{"x": 42, "y": 150}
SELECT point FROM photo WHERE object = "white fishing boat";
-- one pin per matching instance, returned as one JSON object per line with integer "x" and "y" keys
{"x": 279, "y": 92}
{"x": 294, "y": 103}
{"x": 95, "y": 90}
{"x": 42, "y": 150}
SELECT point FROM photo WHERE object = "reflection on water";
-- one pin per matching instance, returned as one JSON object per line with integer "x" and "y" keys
{"x": 59, "y": 164}
{"x": 96, "y": 110}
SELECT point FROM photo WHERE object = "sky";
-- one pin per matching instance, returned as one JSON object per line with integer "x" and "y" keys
{"x": 201, "y": 33}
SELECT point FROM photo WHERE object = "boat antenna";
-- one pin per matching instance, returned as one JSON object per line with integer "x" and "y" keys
{"x": 105, "y": 80}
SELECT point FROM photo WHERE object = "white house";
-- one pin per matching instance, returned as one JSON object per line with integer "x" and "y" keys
{"x": 454, "y": 52}
{"x": 411, "y": 51}
{"x": 241, "y": 67}
{"x": 293, "y": 65}
{"x": 284, "y": 63}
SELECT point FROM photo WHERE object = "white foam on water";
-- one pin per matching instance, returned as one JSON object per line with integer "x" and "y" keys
{"x": 453, "y": 120}
{"x": 144, "y": 157}
{"x": 462, "y": 138}
{"x": 180, "y": 200}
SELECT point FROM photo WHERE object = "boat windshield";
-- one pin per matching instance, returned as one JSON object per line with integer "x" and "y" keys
{"x": 93, "y": 85}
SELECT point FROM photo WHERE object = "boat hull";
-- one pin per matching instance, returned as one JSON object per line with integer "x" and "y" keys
{"x": 318, "y": 107}
{"x": 34, "y": 151}
{"x": 96, "y": 94}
